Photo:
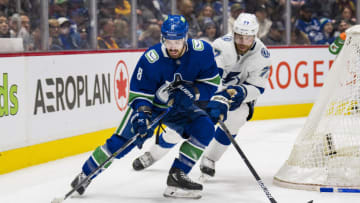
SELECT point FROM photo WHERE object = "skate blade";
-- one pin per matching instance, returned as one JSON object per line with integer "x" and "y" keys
{"x": 204, "y": 178}
{"x": 174, "y": 192}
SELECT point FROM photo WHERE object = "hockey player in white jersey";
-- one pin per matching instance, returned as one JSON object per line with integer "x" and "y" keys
{"x": 244, "y": 63}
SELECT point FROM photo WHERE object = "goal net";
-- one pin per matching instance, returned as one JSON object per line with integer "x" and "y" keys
{"x": 327, "y": 150}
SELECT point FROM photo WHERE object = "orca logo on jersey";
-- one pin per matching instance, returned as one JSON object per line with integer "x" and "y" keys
{"x": 198, "y": 45}
{"x": 121, "y": 85}
{"x": 152, "y": 56}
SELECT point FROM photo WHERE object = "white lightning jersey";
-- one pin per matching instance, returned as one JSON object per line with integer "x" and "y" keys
{"x": 250, "y": 70}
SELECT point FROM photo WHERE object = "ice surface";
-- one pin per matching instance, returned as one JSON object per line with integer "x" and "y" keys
{"x": 267, "y": 145}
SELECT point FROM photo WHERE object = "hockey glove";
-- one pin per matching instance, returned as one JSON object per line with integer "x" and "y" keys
{"x": 182, "y": 97}
{"x": 218, "y": 106}
{"x": 140, "y": 122}
{"x": 238, "y": 94}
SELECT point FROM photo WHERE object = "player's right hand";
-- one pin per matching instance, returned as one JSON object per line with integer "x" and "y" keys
{"x": 182, "y": 96}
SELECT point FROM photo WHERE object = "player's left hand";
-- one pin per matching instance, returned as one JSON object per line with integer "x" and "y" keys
{"x": 140, "y": 122}
{"x": 182, "y": 97}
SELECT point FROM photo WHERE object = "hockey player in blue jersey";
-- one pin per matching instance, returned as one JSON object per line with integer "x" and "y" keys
{"x": 244, "y": 63}
{"x": 176, "y": 72}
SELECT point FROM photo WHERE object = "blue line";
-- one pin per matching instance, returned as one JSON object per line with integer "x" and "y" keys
{"x": 341, "y": 190}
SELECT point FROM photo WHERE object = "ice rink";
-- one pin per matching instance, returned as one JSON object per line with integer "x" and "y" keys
{"x": 267, "y": 145}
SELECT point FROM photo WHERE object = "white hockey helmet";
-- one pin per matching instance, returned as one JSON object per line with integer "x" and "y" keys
{"x": 246, "y": 24}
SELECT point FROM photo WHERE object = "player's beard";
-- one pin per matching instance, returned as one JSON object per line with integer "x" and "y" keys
{"x": 176, "y": 53}
{"x": 242, "y": 48}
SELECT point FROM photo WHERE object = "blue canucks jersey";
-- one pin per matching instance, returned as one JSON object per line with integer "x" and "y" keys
{"x": 155, "y": 71}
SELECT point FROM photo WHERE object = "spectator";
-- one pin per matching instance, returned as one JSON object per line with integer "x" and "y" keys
{"x": 210, "y": 31}
{"x": 4, "y": 27}
{"x": 78, "y": 17}
{"x": 339, "y": 5}
{"x": 275, "y": 9}
{"x": 36, "y": 39}
{"x": 275, "y": 35}
{"x": 235, "y": 11}
{"x": 296, "y": 5}
{"x": 150, "y": 12}
{"x": 207, "y": 12}
{"x": 298, "y": 37}
{"x": 264, "y": 22}
{"x": 186, "y": 8}
{"x": 150, "y": 37}
{"x": 309, "y": 25}
{"x": 341, "y": 27}
{"x": 105, "y": 39}
{"x": 24, "y": 32}
{"x": 327, "y": 30}
{"x": 106, "y": 9}
{"x": 54, "y": 39}
{"x": 121, "y": 33}
{"x": 4, "y": 7}
{"x": 59, "y": 9}
{"x": 14, "y": 25}
{"x": 346, "y": 14}
{"x": 83, "y": 32}
{"x": 122, "y": 8}
{"x": 69, "y": 38}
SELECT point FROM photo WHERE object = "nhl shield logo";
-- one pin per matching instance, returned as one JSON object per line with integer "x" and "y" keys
{"x": 121, "y": 85}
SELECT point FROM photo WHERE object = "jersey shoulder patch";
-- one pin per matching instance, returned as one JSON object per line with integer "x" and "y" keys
{"x": 226, "y": 38}
{"x": 265, "y": 53}
{"x": 152, "y": 56}
{"x": 198, "y": 45}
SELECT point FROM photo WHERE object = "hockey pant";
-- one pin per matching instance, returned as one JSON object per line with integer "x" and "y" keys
{"x": 235, "y": 120}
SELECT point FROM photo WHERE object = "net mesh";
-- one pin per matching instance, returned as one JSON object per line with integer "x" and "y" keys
{"x": 327, "y": 150}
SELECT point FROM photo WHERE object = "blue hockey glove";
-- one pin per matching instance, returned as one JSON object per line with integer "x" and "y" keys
{"x": 182, "y": 97}
{"x": 218, "y": 106}
{"x": 237, "y": 96}
{"x": 140, "y": 122}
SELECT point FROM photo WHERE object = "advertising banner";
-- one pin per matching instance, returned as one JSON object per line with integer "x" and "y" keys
{"x": 296, "y": 76}
{"x": 49, "y": 97}
{"x": 13, "y": 101}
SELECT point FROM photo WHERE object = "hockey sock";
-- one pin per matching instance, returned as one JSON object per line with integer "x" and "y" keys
{"x": 103, "y": 152}
{"x": 98, "y": 157}
{"x": 221, "y": 137}
{"x": 190, "y": 152}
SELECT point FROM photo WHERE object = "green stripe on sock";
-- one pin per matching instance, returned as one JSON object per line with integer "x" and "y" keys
{"x": 191, "y": 151}
{"x": 100, "y": 157}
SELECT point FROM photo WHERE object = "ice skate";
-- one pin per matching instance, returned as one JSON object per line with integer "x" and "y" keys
{"x": 143, "y": 161}
{"x": 181, "y": 186}
{"x": 207, "y": 168}
{"x": 78, "y": 179}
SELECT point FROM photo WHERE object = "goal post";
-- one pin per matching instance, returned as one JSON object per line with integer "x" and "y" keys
{"x": 326, "y": 153}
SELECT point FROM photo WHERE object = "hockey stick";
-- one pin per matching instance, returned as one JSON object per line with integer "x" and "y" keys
{"x": 247, "y": 162}
{"x": 109, "y": 159}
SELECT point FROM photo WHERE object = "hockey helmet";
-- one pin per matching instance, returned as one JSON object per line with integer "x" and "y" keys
{"x": 246, "y": 24}
{"x": 174, "y": 27}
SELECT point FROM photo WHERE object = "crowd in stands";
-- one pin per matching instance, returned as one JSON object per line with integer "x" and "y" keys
{"x": 312, "y": 21}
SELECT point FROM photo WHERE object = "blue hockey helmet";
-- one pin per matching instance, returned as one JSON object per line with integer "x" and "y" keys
{"x": 174, "y": 27}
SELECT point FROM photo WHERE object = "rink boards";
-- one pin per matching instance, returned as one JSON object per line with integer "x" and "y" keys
{"x": 54, "y": 105}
